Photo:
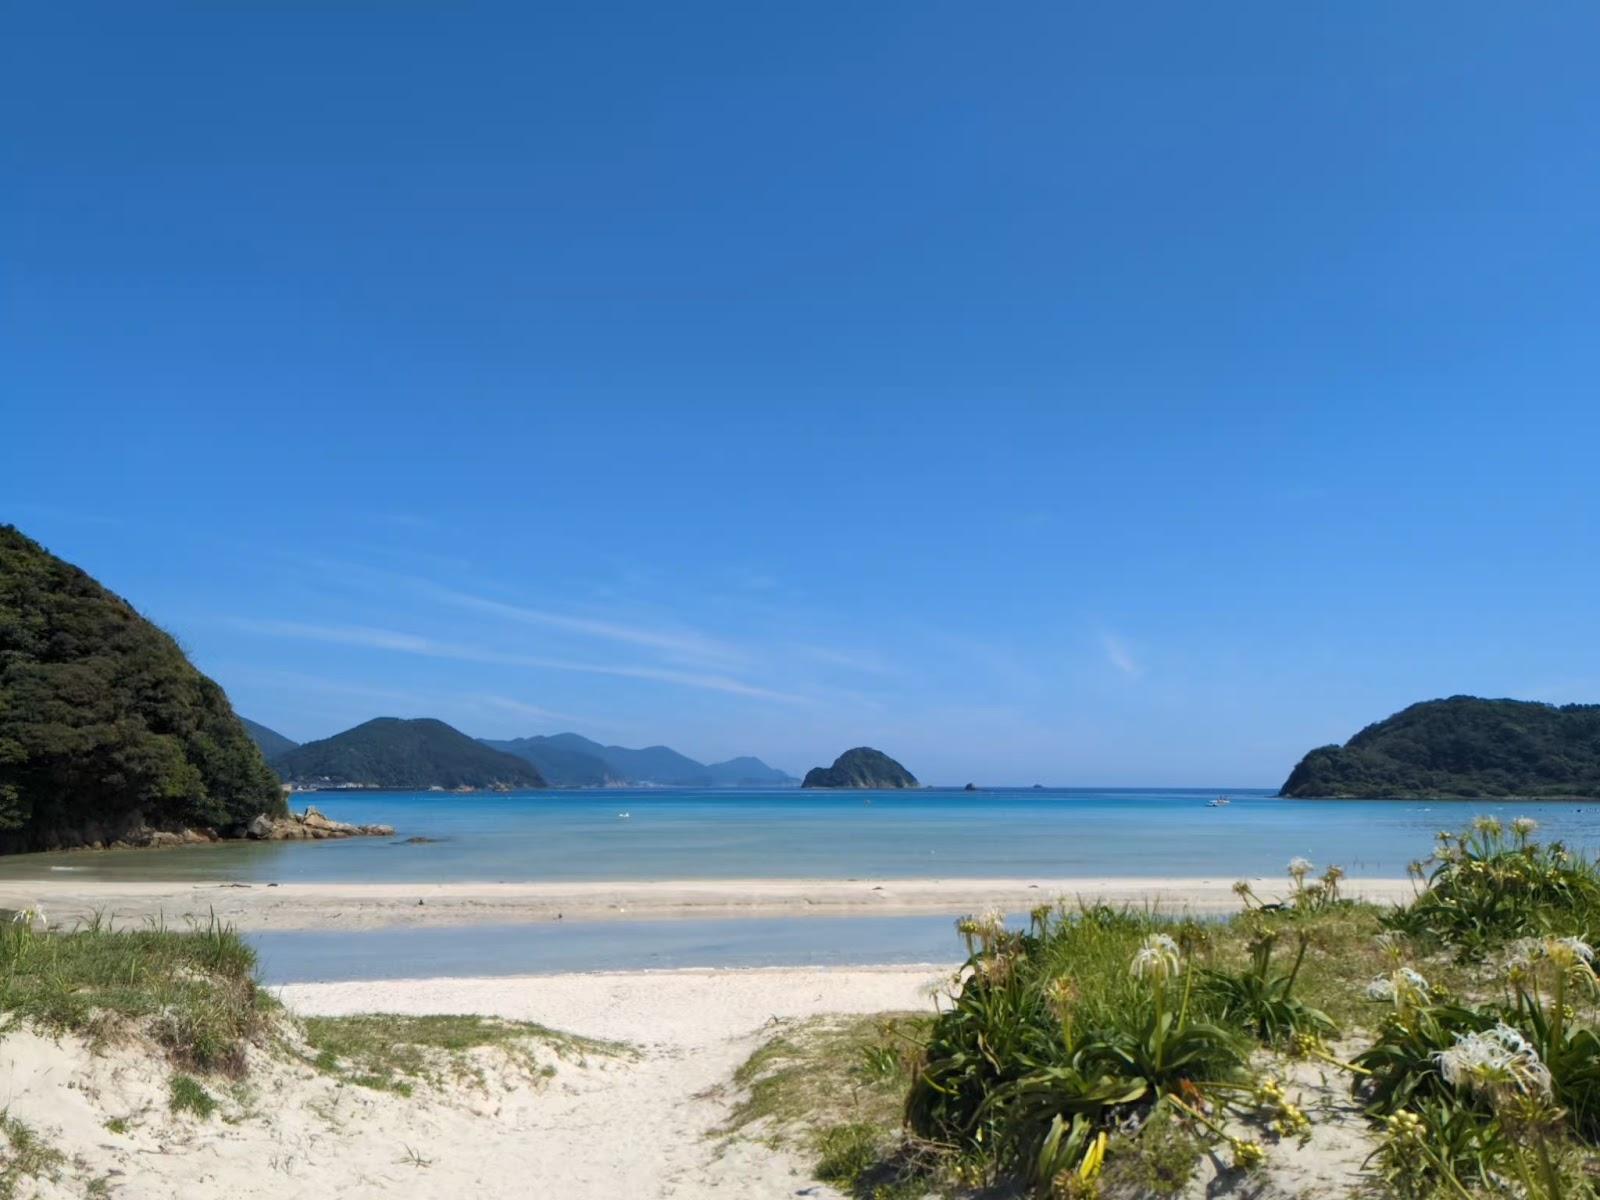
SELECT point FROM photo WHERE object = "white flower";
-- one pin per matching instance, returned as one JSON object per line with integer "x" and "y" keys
{"x": 1566, "y": 952}
{"x": 992, "y": 920}
{"x": 1523, "y": 826}
{"x": 1576, "y": 947}
{"x": 1404, "y": 986}
{"x": 1494, "y": 1062}
{"x": 1157, "y": 959}
{"x": 1299, "y": 867}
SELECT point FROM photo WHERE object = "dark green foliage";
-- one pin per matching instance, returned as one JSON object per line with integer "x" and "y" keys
{"x": 1065, "y": 1022}
{"x": 391, "y": 753}
{"x": 104, "y": 722}
{"x": 862, "y": 767}
{"x": 1464, "y": 747}
{"x": 270, "y": 741}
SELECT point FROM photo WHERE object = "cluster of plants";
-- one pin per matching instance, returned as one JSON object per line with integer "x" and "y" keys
{"x": 1067, "y": 1043}
{"x": 1499, "y": 1091}
{"x": 1103, "y": 1050}
{"x": 1487, "y": 885}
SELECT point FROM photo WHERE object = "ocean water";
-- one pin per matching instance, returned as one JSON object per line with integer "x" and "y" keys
{"x": 637, "y": 834}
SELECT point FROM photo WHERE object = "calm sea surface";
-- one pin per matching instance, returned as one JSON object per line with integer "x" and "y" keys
{"x": 792, "y": 834}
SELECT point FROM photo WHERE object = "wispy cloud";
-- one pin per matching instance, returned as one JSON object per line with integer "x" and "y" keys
{"x": 408, "y": 643}
{"x": 683, "y": 643}
{"x": 302, "y": 683}
{"x": 532, "y": 711}
{"x": 1119, "y": 655}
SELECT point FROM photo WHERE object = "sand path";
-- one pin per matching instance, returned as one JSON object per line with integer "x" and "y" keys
{"x": 639, "y": 1126}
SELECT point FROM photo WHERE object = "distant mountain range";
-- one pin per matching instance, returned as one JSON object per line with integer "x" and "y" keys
{"x": 569, "y": 760}
{"x": 392, "y": 753}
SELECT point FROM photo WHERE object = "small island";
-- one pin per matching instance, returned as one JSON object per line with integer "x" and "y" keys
{"x": 1463, "y": 747}
{"x": 862, "y": 767}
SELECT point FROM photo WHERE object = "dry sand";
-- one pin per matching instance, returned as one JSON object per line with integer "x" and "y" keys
{"x": 354, "y": 906}
{"x": 641, "y": 1125}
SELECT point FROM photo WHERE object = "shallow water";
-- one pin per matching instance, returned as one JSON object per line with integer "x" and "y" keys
{"x": 553, "y": 946}
{"x": 581, "y": 835}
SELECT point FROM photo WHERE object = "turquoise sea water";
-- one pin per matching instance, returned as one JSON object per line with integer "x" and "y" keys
{"x": 581, "y": 835}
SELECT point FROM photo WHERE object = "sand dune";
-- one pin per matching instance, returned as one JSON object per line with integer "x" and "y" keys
{"x": 641, "y": 1125}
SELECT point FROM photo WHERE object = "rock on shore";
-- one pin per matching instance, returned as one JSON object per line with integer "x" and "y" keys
{"x": 308, "y": 825}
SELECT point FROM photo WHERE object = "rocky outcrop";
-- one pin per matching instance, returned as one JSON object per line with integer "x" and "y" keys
{"x": 309, "y": 825}
{"x": 862, "y": 767}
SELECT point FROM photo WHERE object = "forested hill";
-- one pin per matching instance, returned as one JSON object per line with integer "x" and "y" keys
{"x": 1463, "y": 747}
{"x": 104, "y": 723}
{"x": 388, "y": 752}
{"x": 272, "y": 742}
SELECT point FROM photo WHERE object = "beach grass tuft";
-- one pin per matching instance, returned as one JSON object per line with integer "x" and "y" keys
{"x": 394, "y": 1052}
{"x": 27, "y": 1157}
{"x": 193, "y": 991}
{"x": 187, "y": 1095}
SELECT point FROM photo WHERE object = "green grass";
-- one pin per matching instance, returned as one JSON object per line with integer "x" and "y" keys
{"x": 28, "y": 1156}
{"x": 392, "y": 1052}
{"x": 193, "y": 991}
{"x": 833, "y": 1088}
{"x": 187, "y": 1095}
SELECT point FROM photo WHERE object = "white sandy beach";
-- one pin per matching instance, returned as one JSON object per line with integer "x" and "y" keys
{"x": 356, "y": 906}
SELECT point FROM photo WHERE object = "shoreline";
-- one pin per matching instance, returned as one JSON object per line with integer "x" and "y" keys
{"x": 261, "y": 907}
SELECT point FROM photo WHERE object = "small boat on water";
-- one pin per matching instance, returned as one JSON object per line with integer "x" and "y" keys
{"x": 1219, "y": 802}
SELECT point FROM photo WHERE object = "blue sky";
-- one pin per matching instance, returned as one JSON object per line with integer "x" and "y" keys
{"x": 1086, "y": 394}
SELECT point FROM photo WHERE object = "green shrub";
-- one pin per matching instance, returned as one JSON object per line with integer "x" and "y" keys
{"x": 1262, "y": 998}
{"x": 1488, "y": 887}
{"x": 1084, "y": 1016}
